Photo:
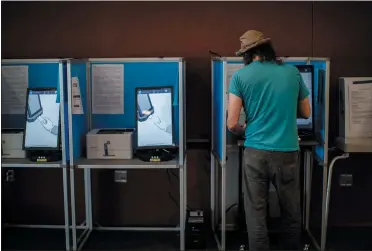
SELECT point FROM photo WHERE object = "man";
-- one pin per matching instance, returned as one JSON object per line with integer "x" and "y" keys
{"x": 274, "y": 95}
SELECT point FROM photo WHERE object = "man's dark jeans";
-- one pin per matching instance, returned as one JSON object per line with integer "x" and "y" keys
{"x": 282, "y": 169}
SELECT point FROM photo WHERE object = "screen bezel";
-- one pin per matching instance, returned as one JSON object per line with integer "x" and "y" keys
{"x": 58, "y": 147}
{"x": 136, "y": 117}
{"x": 303, "y": 69}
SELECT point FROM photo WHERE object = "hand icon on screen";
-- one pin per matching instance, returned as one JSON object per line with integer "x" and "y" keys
{"x": 161, "y": 124}
{"x": 48, "y": 125}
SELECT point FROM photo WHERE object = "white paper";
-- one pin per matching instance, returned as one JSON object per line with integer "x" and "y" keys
{"x": 108, "y": 89}
{"x": 360, "y": 107}
{"x": 230, "y": 70}
{"x": 14, "y": 83}
{"x": 77, "y": 104}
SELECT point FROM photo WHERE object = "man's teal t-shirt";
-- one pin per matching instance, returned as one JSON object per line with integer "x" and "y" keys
{"x": 270, "y": 94}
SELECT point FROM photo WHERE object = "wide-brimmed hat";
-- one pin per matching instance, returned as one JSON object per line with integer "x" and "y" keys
{"x": 251, "y": 39}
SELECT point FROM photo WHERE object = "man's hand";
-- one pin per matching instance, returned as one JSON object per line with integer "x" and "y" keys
{"x": 146, "y": 112}
{"x": 238, "y": 130}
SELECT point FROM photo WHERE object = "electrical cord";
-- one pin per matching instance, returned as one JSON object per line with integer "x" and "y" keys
{"x": 215, "y": 54}
{"x": 227, "y": 210}
{"x": 230, "y": 207}
{"x": 169, "y": 193}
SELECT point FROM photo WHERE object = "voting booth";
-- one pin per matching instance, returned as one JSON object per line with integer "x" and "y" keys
{"x": 104, "y": 93}
{"x": 315, "y": 72}
{"x": 34, "y": 131}
{"x": 355, "y": 130}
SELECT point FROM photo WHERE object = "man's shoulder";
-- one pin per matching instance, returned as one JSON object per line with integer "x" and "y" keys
{"x": 290, "y": 68}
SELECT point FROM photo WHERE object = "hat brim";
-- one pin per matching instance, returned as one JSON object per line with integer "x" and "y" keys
{"x": 245, "y": 49}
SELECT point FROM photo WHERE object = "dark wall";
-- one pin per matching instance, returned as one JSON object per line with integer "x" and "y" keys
{"x": 339, "y": 30}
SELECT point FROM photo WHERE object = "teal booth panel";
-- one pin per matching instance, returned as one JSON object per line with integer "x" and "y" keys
{"x": 218, "y": 115}
{"x": 79, "y": 122}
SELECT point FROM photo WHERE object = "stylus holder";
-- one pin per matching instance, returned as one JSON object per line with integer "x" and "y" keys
{"x": 155, "y": 155}
{"x": 44, "y": 156}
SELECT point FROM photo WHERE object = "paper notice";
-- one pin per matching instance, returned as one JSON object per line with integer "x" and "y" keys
{"x": 230, "y": 70}
{"x": 108, "y": 89}
{"x": 77, "y": 104}
{"x": 14, "y": 83}
{"x": 360, "y": 107}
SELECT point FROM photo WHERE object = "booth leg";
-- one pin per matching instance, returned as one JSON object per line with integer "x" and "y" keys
{"x": 88, "y": 198}
{"x": 185, "y": 187}
{"x": 73, "y": 209}
{"x": 66, "y": 209}
{"x": 213, "y": 192}
{"x": 308, "y": 173}
{"x": 223, "y": 207}
{"x": 241, "y": 216}
{"x": 327, "y": 199}
{"x": 182, "y": 209}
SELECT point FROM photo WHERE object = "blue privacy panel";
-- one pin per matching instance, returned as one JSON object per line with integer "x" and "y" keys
{"x": 141, "y": 74}
{"x": 65, "y": 107}
{"x": 319, "y": 107}
{"x": 39, "y": 75}
{"x": 79, "y": 121}
{"x": 184, "y": 106}
{"x": 218, "y": 128}
{"x": 318, "y": 65}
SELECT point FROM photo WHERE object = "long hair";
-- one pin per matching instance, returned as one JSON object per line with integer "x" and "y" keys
{"x": 265, "y": 52}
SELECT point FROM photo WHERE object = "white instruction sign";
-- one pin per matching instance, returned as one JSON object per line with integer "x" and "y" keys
{"x": 360, "y": 107}
{"x": 108, "y": 89}
{"x": 77, "y": 104}
{"x": 14, "y": 83}
{"x": 230, "y": 70}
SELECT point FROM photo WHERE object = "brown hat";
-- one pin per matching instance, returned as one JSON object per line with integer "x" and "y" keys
{"x": 251, "y": 39}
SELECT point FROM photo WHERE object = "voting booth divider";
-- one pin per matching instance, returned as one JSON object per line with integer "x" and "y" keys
{"x": 107, "y": 89}
{"x": 314, "y": 153}
{"x": 17, "y": 75}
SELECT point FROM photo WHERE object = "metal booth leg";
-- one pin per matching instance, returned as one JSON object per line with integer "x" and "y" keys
{"x": 213, "y": 192}
{"x": 328, "y": 195}
{"x": 66, "y": 209}
{"x": 223, "y": 207}
{"x": 73, "y": 208}
{"x": 182, "y": 208}
{"x": 308, "y": 173}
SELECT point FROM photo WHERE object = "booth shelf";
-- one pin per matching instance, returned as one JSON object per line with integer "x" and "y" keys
{"x": 25, "y": 163}
{"x": 125, "y": 164}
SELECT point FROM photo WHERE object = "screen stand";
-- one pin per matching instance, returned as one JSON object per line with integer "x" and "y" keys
{"x": 43, "y": 156}
{"x": 155, "y": 155}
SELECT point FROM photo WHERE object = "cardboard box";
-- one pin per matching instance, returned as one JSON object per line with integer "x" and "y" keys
{"x": 12, "y": 144}
{"x": 110, "y": 143}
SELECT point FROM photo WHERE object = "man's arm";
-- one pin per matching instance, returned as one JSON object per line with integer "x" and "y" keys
{"x": 303, "y": 105}
{"x": 235, "y": 105}
{"x": 303, "y": 109}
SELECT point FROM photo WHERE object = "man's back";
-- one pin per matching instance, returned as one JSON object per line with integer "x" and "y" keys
{"x": 270, "y": 93}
